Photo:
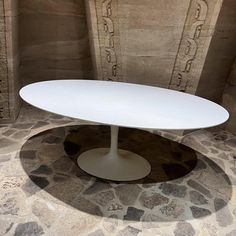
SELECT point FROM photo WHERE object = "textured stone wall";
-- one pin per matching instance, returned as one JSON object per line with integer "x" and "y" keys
{"x": 229, "y": 100}
{"x": 54, "y": 40}
{"x": 198, "y": 31}
{"x": 9, "y": 60}
{"x": 162, "y": 43}
{"x": 4, "y": 90}
{"x": 221, "y": 54}
{"x": 220, "y": 64}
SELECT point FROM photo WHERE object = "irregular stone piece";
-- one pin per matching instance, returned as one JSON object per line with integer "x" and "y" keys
{"x": 56, "y": 117}
{"x": 30, "y": 188}
{"x": 40, "y": 181}
{"x": 220, "y": 163}
{"x": 150, "y": 221}
{"x": 9, "y": 132}
{"x": 206, "y": 143}
{"x": 40, "y": 124}
{"x": 11, "y": 182}
{"x": 197, "y": 198}
{"x": 199, "y": 212}
{"x": 129, "y": 231}
{"x": 7, "y": 143}
{"x": 29, "y": 229}
{"x": 199, "y": 187}
{"x": 175, "y": 209}
{"x": 46, "y": 215}
{"x": 42, "y": 170}
{"x": 76, "y": 171}
{"x": 191, "y": 142}
{"x": 201, "y": 165}
{"x": 213, "y": 165}
{"x": 5, "y": 226}
{"x": 22, "y": 125}
{"x": 110, "y": 223}
{"x": 233, "y": 170}
{"x": 213, "y": 181}
{"x": 184, "y": 229}
{"x": 220, "y": 136}
{"x": 66, "y": 191}
{"x": 133, "y": 214}
{"x": 21, "y": 134}
{"x": 150, "y": 200}
{"x": 8, "y": 205}
{"x": 234, "y": 212}
{"x": 231, "y": 142}
{"x": 229, "y": 179}
{"x": 214, "y": 151}
{"x": 209, "y": 229}
{"x": 97, "y": 186}
{"x": 52, "y": 140}
{"x": 223, "y": 215}
{"x": 5, "y": 158}
{"x": 127, "y": 193}
{"x": 103, "y": 198}
{"x": 86, "y": 206}
{"x": 222, "y": 147}
{"x": 223, "y": 156}
{"x": 59, "y": 177}
{"x": 63, "y": 164}
{"x": 28, "y": 154}
{"x": 219, "y": 204}
{"x": 173, "y": 190}
{"x": 59, "y": 132}
{"x": 74, "y": 223}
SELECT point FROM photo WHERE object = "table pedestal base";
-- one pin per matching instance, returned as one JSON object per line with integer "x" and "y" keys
{"x": 121, "y": 166}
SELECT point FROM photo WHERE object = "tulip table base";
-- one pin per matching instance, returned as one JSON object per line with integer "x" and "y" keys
{"x": 114, "y": 164}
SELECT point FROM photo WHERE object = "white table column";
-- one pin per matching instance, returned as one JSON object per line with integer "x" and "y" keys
{"x": 113, "y": 163}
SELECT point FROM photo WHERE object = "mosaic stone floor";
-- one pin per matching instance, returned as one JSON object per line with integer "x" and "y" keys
{"x": 190, "y": 191}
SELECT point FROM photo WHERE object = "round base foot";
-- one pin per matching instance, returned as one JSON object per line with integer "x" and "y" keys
{"x": 126, "y": 166}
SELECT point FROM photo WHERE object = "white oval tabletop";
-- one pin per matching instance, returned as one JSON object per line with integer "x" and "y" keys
{"x": 124, "y": 104}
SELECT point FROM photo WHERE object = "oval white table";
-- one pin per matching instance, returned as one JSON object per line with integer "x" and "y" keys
{"x": 122, "y": 104}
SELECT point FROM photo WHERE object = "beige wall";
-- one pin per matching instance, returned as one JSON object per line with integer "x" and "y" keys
{"x": 149, "y": 39}
{"x": 221, "y": 54}
{"x": 219, "y": 72}
{"x": 155, "y": 42}
{"x": 229, "y": 100}
{"x": 9, "y": 60}
{"x": 53, "y": 40}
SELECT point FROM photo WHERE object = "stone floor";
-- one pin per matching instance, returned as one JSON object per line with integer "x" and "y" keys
{"x": 190, "y": 191}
